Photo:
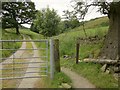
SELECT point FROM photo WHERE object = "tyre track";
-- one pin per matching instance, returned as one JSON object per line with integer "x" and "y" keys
{"x": 29, "y": 82}
{"x": 77, "y": 80}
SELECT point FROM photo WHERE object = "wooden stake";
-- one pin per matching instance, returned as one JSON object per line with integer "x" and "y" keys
{"x": 77, "y": 51}
{"x": 56, "y": 55}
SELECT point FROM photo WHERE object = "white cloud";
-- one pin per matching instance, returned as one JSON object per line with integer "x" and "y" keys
{"x": 61, "y": 5}
{"x": 92, "y": 13}
{"x": 57, "y": 5}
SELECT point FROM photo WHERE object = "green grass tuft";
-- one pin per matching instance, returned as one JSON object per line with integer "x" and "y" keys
{"x": 60, "y": 78}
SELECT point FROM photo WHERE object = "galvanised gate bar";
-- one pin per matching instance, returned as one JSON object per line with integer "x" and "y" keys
{"x": 31, "y": 66}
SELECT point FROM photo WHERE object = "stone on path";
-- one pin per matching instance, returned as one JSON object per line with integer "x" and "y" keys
{"x": 104, "y": 68}
{"x": 66, "y": 85}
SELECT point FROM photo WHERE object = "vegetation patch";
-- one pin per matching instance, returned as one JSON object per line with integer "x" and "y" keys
{"x": 33, "y": 35}
{"x": 8, "y": 35}
{"x": 92, "y": 72}
{"x": 68, "y": 39}
{"x": 90, "y": 50}
{"x": 59, "y": 78}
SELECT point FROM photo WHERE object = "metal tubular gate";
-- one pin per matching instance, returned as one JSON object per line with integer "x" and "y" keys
{"x": 17, "y": 67}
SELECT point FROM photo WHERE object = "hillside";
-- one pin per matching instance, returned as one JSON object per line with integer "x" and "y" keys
{"x": 94, "y": 23}
{"x": 10, "y": 34}
{"x": 6, "y": 35}
{"x": 97, "y": 27}
{"x": 94, "y": 28}
{"x": 90, "y": 47}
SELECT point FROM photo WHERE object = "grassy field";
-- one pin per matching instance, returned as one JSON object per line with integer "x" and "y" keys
{"x": 68, "y": 39}
{"x": 94, "y": 23}
{"x": 8, "y": 35}
{"x": 97, "y": 27}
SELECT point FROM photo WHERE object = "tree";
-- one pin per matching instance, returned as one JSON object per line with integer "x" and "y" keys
{"x": 37, "y": 24}
{"x": 63, "y": 26}
{"x": 17, "y": 13}
{"x": 47, "y": 22}
{"x": 74, "y": 23}
{"x": 34, "y": 28}
{"x": 71, "y": 19}
{"x": 112, "y": 9}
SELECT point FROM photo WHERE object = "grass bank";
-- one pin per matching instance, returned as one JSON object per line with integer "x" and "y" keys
{"x": 96, "y": 27}
{"x": 68, "y": 40}
{"x": 59, "y": 78}
{"x": 92, "y": 72}
{"x": 8, "y": 35}
{"x": 99, "y": 28}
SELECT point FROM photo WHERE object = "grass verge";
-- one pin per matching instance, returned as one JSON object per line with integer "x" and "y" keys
{"x": 68, "y": 39}
{"x": 59, "y": 78}
{"x": 92, "y": 72}
{"x": 8, "y": 35}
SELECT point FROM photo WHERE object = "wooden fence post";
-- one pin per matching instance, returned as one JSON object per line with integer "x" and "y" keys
{"x": 77, "y": 50}
{"x": 54, "y": 57}
{"x": 1, "y": 50}
{"x": 1, "y": 64}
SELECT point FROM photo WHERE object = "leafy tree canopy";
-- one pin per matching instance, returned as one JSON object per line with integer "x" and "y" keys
{"x": 46, "y": 22}
{"x": 16, "y": 13}
{"x": 81, "y": 7}
{"x": 110, "y": 8}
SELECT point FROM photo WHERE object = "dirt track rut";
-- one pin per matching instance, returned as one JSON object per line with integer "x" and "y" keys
{"x": 29, "y": 82}
{"x": 77, "y": 80}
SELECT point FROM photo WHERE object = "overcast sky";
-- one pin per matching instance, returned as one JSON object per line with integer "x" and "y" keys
{"x": 61, "y": 5}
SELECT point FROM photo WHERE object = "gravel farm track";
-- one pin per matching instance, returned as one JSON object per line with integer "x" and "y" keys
{"x": 77, "y": 80}
{"x": 26, "y": 82}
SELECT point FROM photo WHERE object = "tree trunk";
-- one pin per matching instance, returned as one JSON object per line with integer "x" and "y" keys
{"x": 102, "y": 61}
{"x": 112, "y": 42}
{"x": 17, "y": 29}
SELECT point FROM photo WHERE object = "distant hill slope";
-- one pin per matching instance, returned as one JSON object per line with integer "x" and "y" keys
{"x": 95, "y": 23}
{"x": 95, "y": 27}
